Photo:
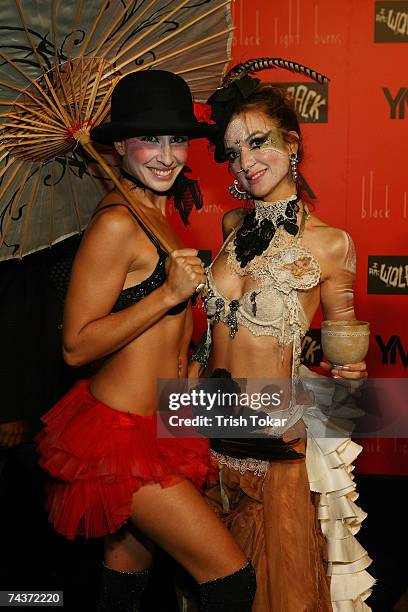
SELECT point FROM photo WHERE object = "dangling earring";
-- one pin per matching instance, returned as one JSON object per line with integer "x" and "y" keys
{"x": 293, "y": 159}
{"x": 239, "y": 194}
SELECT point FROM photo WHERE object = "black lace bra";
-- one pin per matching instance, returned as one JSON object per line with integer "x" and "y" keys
{"x": 132, "y": 295}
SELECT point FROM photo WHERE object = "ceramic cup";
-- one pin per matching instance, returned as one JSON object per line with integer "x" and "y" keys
{"x": 345, "y": 341}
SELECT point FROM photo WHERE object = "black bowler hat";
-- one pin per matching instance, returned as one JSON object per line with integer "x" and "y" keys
{"x": 151, "y": 102}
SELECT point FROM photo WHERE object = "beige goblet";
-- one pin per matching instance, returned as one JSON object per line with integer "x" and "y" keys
{"x": 345, "y": 342}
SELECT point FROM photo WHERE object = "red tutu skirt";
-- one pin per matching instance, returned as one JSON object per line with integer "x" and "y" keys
{"x": 98, "y": 457}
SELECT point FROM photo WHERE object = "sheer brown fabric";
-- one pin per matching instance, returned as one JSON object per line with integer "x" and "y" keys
{"x": 273, "y": 518}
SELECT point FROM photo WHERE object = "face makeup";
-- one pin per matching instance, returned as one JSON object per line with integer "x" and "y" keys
{"x": 156, "y": 161}
{"x": 259, "y": 156}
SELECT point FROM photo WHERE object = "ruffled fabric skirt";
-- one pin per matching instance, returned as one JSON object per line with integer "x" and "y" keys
{"x": 99, "y": 457}
{"x": 297, "y": 520}
{"x": 330, "y": 455}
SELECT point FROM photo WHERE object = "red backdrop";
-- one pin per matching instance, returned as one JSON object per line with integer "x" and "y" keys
{"x": 355, "y": 137}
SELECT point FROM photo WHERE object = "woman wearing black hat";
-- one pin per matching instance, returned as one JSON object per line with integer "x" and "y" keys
{"x": 128, "y": 307}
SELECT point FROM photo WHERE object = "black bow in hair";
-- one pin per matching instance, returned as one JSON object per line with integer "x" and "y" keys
{"x": 223, "y": 103}
{"x": 226, "y": 97}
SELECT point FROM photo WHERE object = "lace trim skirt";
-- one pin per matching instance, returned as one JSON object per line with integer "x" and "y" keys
{"x": 329, "y": 466}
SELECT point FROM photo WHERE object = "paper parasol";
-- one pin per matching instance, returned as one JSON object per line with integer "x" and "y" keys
{"x": 59, "y": 62}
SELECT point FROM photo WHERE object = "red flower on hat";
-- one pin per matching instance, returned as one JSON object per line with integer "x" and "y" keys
{"x": 202, "y": 112}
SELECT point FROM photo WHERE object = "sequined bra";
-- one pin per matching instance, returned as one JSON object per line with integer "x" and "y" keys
{"x": 134, "y": 294}
{"x": 272, "y": 307}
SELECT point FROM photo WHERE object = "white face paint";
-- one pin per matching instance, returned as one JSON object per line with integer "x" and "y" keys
{"x": 155, "y": 160}
{"x": 259, "y": 156}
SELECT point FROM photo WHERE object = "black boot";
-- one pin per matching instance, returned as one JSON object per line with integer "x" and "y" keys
{"x": 121, "y": 590}
{"x": 233, "y": 593}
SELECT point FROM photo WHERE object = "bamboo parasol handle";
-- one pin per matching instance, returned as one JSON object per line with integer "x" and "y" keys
{"x": 85, "y": 141}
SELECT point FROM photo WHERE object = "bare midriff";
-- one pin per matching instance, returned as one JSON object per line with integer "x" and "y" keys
{"x": 127, "y": 380}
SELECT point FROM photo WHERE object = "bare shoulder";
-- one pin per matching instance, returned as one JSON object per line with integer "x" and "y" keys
{"x": 232, "y": 219}
{"x": 110, "y": 242}
{"x": 328, "y": 241}
{"x": 112, "y": 227}
{"x": 116, "y": 219}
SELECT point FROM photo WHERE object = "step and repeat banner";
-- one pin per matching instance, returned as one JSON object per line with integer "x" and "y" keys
{"x": 355, "y": 132}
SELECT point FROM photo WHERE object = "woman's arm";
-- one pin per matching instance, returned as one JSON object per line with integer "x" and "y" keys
{"x": 337, "y": 292}
{"x": 91, "y": 331}
{"x": 337, "y": 289}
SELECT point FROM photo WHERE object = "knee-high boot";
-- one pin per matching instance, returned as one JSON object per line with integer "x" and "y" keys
{"x": 121, "y": 590}
{"x": 232, "y": 593}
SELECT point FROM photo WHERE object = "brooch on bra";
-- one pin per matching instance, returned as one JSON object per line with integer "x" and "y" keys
{"x": 231, "y": 319}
